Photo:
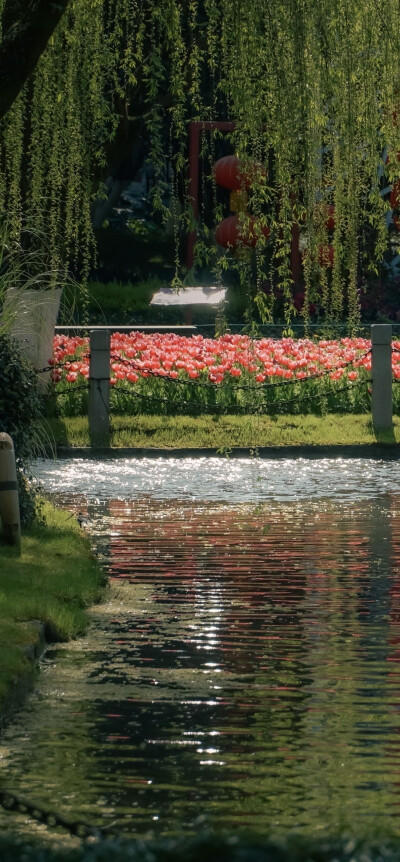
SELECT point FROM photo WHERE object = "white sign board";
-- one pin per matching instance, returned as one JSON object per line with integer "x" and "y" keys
{"x": 189, "y": 296}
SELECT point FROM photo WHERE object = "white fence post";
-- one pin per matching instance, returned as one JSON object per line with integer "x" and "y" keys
{"x": 99, "y": 385}
{"x": 382, "y": 399}
{"x": 9, "y": 498}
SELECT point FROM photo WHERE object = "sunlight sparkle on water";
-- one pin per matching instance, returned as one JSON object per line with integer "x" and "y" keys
{"x": 214, "y": 479}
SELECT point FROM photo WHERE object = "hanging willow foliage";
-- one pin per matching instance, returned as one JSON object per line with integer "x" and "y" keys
{"x": 312, "y": 85}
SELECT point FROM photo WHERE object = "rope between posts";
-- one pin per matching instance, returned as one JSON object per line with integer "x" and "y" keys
{"x": 10, "y": 802}
{"x": 66, "y": 391}
{"x": 322, "y": 395}
{"x": 148, "y": 371}
{"x": 200, "y": 384}
{"x": 99, "y": 389}
{"x": 239, "y": 407}
{"x": 211, "y": 385}
{"x": 65, "y": 364}
{"x": 214, "y": 408}
{"x": 207, "y": 405}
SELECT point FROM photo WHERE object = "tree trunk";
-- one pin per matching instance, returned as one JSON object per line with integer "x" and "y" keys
{"x": 27, "y": 32}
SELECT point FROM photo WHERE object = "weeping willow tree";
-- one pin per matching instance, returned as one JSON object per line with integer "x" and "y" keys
{"x": 312, "y": 86}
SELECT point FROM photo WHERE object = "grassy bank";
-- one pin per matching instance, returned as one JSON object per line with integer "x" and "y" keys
{"x": 224, "y": 432}
{"x": 54, "y": 580}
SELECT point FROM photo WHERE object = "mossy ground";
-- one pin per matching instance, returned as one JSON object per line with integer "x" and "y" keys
{"x": 224, "y": 432}
{"x": 53, "y": 580}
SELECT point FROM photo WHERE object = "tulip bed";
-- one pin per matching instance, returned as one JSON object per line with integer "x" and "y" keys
{"x": 171, "y": 374}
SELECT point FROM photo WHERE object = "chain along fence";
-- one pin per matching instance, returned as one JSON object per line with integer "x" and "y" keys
{"x": 16, "y": 804}
{"x": 102, "y": 394}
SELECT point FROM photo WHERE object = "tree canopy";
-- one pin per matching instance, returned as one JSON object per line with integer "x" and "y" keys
{"x": 313, "y": 89}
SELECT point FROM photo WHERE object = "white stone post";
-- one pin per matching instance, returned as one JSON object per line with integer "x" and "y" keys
{"x": 382, "y": 407}
{"x": 9, "y": 499}
{"x": 99, "y": 385}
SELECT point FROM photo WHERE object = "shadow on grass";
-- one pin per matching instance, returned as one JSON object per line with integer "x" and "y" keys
{"x": 384, "y": 437}
{"x": 99, "y": 441}
{"x": 73, "y": 432}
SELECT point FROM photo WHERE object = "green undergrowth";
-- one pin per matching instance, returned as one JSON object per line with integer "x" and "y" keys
{"x": 224, "y": 432}
{"x": 53, "y": 580}
{"x": 210, "y": 848}
{"x": 126, "y": 302}
{"x": 104, "y": 301}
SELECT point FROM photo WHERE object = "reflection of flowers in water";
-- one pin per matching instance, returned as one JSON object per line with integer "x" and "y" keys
{"x": 302, "y": 619}
{"x": 223, "y": 572}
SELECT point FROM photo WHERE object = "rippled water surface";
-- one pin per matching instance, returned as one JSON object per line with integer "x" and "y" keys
{"x": 244, "y": 668}
{"x": 229, "y": 480}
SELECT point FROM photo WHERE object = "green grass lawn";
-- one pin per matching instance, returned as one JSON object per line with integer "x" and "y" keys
{"x": 54, "y": 580}
{"x": 224, "y": 432}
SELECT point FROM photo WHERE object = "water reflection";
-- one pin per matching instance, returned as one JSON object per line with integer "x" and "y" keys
{"x": 245, "y": 669}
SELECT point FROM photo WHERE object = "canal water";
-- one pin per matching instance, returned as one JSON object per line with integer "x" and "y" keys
{"x": 243, "y": 672}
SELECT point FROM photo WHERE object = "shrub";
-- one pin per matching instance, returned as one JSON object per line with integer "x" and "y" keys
{"x": 20, "y": 410}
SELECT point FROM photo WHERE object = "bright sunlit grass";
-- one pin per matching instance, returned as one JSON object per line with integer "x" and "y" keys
{"x": 226, "y": 432}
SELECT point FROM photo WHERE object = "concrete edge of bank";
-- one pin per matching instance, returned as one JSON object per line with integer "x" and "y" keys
{"x": 373, "y": 450}
{"x": 23, "y": 683}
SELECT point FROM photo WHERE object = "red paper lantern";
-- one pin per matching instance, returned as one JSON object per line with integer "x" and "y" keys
{"x": 229, "y": 234}
{"x": 227, "y": 173}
